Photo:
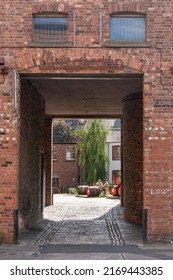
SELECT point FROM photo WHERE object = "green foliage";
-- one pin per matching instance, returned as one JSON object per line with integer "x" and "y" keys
{"x": 72, "y": 190}
{"x": 92, "y": 150}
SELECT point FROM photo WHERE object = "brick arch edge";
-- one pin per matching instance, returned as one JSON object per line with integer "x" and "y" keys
{"x": 30, "y": 60}
{"x": 128, "y": 7}
{"x": 50, "y": 7}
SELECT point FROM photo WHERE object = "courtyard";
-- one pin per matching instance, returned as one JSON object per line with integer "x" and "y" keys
{"x": 78, "y": 228}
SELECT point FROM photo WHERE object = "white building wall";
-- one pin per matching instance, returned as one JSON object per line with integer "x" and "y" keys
{"x": 113, "y": 164}
{"x": 113, "y": 139}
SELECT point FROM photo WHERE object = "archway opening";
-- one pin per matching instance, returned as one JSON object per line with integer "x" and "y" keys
{"x": 101, "y": 96}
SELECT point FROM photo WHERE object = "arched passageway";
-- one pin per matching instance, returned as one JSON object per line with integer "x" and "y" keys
{"x": 77, "y": 96}
{"x": 86, "y": 74}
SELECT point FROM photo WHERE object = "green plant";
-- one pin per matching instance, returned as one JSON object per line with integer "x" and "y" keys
{"x": 92, "y": 154}
{"x": 72, "y": 190}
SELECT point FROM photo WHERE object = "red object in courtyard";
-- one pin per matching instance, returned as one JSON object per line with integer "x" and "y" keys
{"x": 113, "y": 190}
{"x": 93, "y": 191}
{"x": 119, "y": 190}
{"x": 118, "y": 180}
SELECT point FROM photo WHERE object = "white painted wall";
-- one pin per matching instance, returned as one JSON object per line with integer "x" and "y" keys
{"x": 113, "y": 164}
{"x": 113, "y": 139}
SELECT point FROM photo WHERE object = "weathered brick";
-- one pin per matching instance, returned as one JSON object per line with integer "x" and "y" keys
{"x": 66, "y": 170}
{"x": 155, "y": 63}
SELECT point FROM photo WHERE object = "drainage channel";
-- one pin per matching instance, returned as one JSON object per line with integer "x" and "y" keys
{"x": 52, "y": 229}
{"x": 113, "y": 228}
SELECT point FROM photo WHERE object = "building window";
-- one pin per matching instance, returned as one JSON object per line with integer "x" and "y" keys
{"x": 70, "y": 153}
{"x": 116, "y": 152}
{"x": 54, "y": 155}
{"x": 55, "y": 181}
{"x": 127, "y": 28}
{"x": 50, "y": 28}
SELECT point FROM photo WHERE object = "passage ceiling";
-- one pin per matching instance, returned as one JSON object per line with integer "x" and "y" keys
{"x": 84, "y": 95}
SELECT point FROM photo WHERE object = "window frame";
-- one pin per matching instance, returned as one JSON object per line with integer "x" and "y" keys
{"x": 130, "y": 15}
{"x": 124, "y": 43}
{"x": 55, "y": 178}
{"x": 115, "y": 158}
{"x": 54, "y": 153}
{"x": 71, "y": 158}
{"x": 63, "y": 43}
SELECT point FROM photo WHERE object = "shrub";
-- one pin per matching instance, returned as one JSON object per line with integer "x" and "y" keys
{"x": 72, "y": 190}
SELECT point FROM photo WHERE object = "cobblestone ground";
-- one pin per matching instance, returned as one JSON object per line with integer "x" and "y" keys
{"x": 79, "y": 220}
{"x": 77, "y": 228}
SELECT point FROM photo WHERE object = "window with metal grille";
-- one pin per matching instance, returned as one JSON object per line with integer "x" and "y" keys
{"x": 70, "y": 153}
{"x": 55, "y": 182}
{"x": 127, "y": 28}
{"x": 50, "y": 28}
{"x": 116, "y": 152}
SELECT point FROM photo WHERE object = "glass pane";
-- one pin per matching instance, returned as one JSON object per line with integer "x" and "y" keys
{"x": 55, "y": 182}
{"x": 70, "y": 153}
{"x": 116, "y": 152}
{"x": 50, "y": 29}
{"x": 128, "y": 29}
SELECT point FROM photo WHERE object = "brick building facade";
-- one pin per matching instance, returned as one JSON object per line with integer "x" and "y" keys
{"x": 85, "y": 66}
{"x": 66, "y": 172}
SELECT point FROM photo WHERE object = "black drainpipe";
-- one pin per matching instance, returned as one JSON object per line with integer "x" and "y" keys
{"x": 16, "y": 226}
{"x": 145, "y": 231}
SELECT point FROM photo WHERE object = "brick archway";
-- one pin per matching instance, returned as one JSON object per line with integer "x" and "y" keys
{"x": 50, "y": 7}
{"x": 128, "y": 7}
{"x": 30, "y": 61}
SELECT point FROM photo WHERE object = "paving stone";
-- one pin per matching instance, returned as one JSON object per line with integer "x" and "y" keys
{"x": 84, "y": 228}
{"x": 85, "y": 221}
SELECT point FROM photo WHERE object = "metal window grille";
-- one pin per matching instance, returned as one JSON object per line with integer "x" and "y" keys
{"x": 70, "y": 153}
{"x": 50, "y": 29}
{"x": 55, "y": 182}
{"x": 127, "y": 28}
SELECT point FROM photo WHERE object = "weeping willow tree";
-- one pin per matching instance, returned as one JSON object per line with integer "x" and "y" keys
{"x": 92, "y": 156}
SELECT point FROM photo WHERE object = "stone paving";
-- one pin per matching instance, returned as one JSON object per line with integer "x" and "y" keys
{"x": 84, "y": 228}
{"x": 81, "y": 221}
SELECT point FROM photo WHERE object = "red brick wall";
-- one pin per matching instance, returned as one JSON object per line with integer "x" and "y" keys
{"x": 158, "y": 164}
{"x": 31, "y": 146}
{"x": 133, "y": 158}
{"x": 155, "y": 62}
{"x": 8, "y": 160}
{"x": 67, "y": 170}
